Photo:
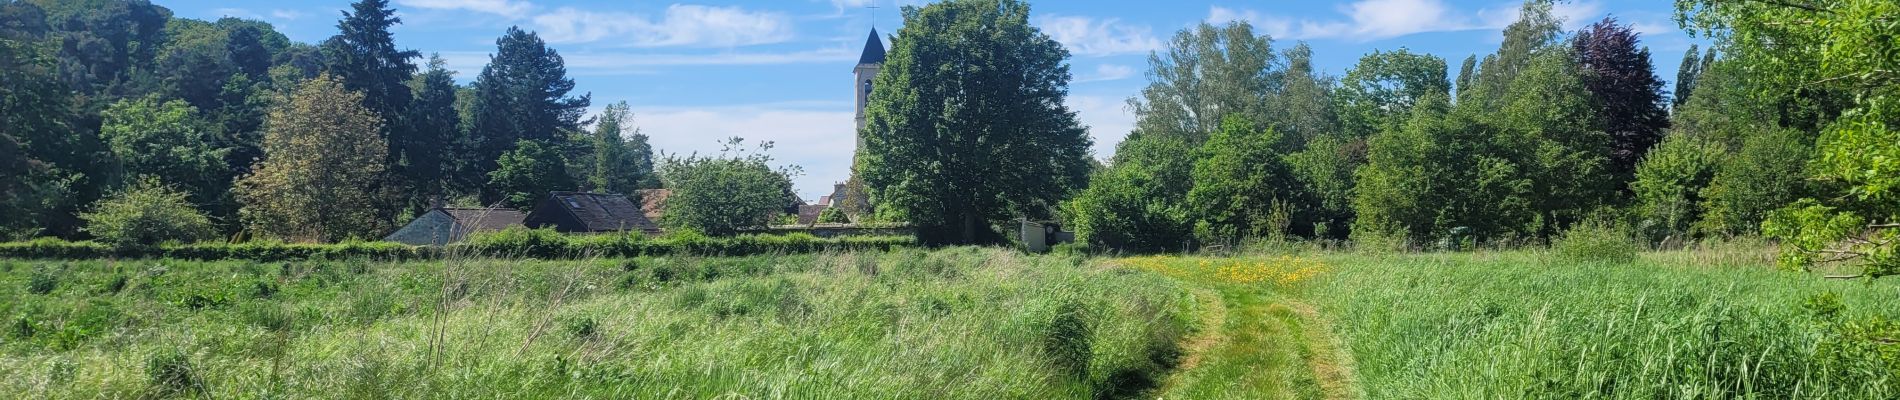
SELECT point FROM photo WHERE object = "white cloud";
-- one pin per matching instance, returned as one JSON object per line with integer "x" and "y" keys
{"x": 235, "y": 13}
{"x": 819, "y": 137}
{"x": 1091, "y": 37}
{"x": 682, "y": 25}
{"x": 843, "y": 4}
{"x": 286, "y": 14}
{"x": 1653, "y": 29}
{"x": 1107, "y": 72}
{"x": 469, "y": 63}
{"x": 504, "y": 8}
{"x": 1108, "y": 119}
{"x": 1367, "y": 20}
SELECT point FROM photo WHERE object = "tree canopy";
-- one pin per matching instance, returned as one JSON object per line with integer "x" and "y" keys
{"x": 967, "y": 125}
{"x": 322, "y": 161}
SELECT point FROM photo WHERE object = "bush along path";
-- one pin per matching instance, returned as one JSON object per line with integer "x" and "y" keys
{"x": 1255, "y": 338}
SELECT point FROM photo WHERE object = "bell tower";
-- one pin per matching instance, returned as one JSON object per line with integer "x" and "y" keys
{"x": 869, "y": 63}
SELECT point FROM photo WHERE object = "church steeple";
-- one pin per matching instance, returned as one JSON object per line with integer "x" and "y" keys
{"x": 873, "y": 50}
{"x": 869, "y": 63}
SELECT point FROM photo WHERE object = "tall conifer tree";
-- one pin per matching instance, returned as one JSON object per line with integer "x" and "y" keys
{"x": 521, "y": 95}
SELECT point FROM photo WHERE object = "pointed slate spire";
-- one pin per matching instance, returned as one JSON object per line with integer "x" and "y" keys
{"x": 873, "y": 50}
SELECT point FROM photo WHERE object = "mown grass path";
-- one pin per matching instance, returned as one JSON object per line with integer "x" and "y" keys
{"x": 1255, "y": 338}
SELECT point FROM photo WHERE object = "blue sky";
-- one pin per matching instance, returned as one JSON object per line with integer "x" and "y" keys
{"x": 701, "y": 70}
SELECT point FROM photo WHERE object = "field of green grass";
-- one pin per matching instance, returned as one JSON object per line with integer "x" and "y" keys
{"x": 956, "y": 323}
{"x": 953, "y": 323}
{"x": 1712, "y": 324}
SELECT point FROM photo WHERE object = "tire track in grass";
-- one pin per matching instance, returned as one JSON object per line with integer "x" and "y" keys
{"x": 1254, "y": 342}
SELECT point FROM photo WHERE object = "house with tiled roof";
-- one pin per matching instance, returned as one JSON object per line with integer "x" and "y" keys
{"x": 579, "y": 212}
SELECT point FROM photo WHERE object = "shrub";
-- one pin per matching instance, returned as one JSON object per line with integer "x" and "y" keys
{"x": 171, "y": 373}
{"x": 723, "y": 194}
{"x": 833, "y": 215}
{"x": 148, "y": 213}
{"x": 1669, "y": 185}
{"x": 1597, "y": 240}
{"x": 22, "y": 327}
{"x": 583, "y": 328}
{"x": 519, "y": 242}
{"x": 115, "y": 284}
{"x": 1138, "y": 204}
{"x": 41, "y": 282}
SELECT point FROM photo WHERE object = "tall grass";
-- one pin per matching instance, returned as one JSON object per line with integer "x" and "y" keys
{"x": 956, "y": 323}
{"x": 1526, "y": 325}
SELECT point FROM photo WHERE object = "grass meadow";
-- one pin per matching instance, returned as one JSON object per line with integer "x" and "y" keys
{"x": 1704, "y": 324}
{"x": 977, "y": 323}
{"x": 955, "y": 323}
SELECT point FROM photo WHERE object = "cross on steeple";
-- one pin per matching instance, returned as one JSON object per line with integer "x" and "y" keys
{"x": 873, "y": 8}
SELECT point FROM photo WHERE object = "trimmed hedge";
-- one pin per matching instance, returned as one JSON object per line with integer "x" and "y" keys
{"x": 512, "y": 243}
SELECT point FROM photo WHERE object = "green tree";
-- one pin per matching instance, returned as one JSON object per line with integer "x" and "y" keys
{"x": 1670, "y": 183}
{"x": 1139, "y": 202}
{"x": 364, "y": 57}
{"x": 521, "y": 94}
{"x": 1302, "y": 109}
{"x": 195, "y": 62}
{"x": 29, "y": 192}
{"x": 436, "y": 126}
{"x": 104, "y": 44}
{"x": 1686, "y": 75}
{"x": 967, "y": 126}
{"x": 1765, "y": 173}
{"x": 252, "y": 46}
{"x": 1465, "y": 77}
{"x": 147, "y": 213}
{"x": 1536, "y": 29}
{"x": 1842, "y": 47}
{"x": 1378, "y": 93}
{"x": 244, "y": 105}
{"x": 1546, "y": 126}
{"x": 1242, "y": 186}
{"x": 528, "y": 173}
{"x": 619, "y": 165}
{"x": 322, "y": 160}
{"x": 47, "y": 158}
{"x": 1206, "y": 73}
{"x": 168, "y": 140}
{"x": 1443, "y": 173}
{"x": 722, "y": 194}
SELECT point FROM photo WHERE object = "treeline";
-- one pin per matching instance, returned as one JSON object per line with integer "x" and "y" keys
{"x": 1238, "y": 139}
{"x": 512, "y": 243}
{"x": 114, "y": 111}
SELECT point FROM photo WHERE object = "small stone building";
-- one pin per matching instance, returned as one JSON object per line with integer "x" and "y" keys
{"x": 444, "y": 225}
{"x": 577, "y": 212}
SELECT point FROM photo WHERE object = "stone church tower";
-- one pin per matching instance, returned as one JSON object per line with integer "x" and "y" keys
{"x": 868, "y": 65}
{"x": 850, "y": 195}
